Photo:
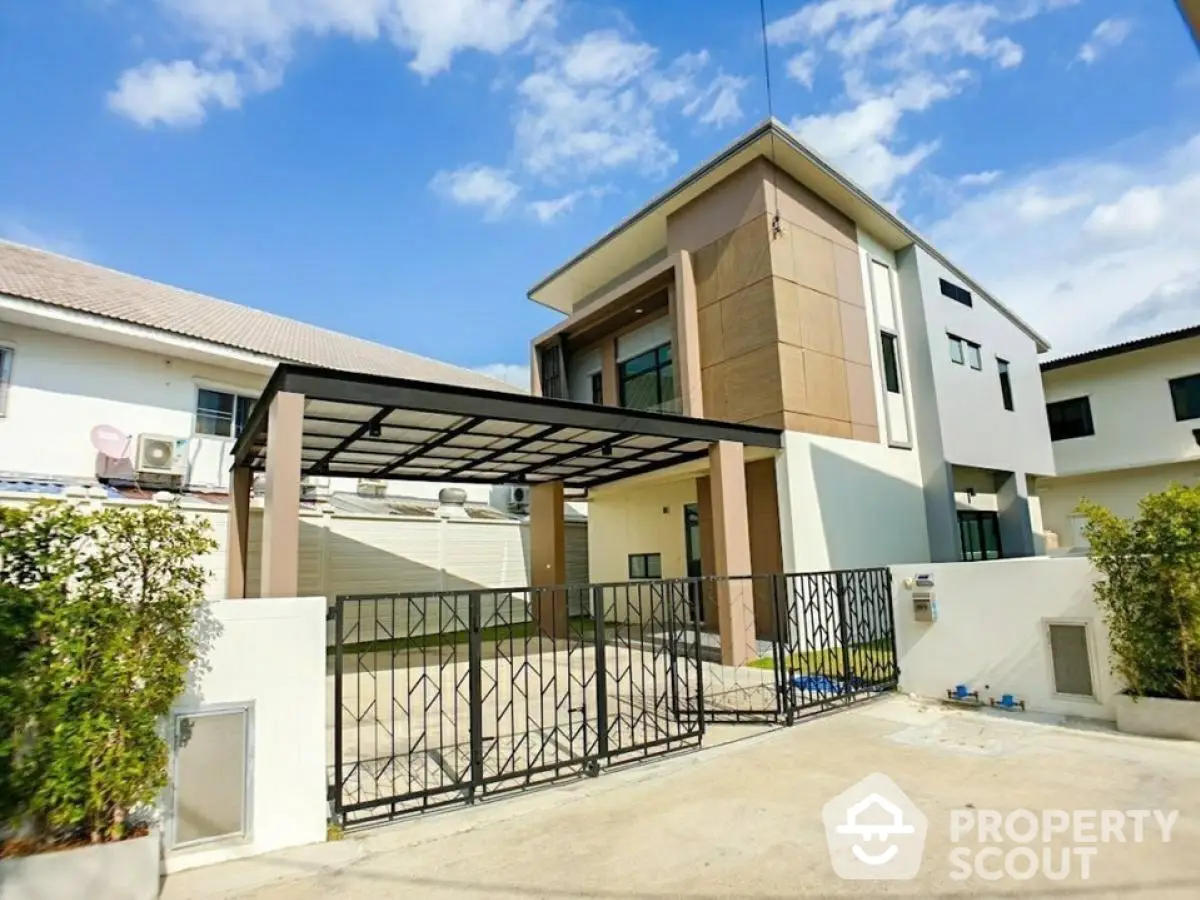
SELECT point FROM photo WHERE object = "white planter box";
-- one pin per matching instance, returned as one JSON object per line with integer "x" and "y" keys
{"x": 125, "y": 870}
{"x": 1155, "y": 717}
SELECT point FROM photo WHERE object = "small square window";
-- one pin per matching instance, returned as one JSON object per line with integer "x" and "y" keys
{"x": 974, "y": 356}
{"x": 1070, "y": 419}
{"x": 645, "y": 565}
{"x": 1185, "y": 396}
{"x": 958, "y": 350}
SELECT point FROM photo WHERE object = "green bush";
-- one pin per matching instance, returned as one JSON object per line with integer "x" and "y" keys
{"x": 1150, "y": 593}
{"x": 99, "y": 620}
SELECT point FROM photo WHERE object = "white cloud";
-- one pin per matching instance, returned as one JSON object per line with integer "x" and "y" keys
{"x": 1108, "y": 34}
{"x": 802, "y": 67}
{"x": 1139, "y": 210}
{"x": 1109, "y": 255}
{"x": 176, "y": 93}
{"x": 491, "y": 190}
{"x": 245, "y": 45}
{"x": 550, "y": 209}
{"x": 20, "y": 229}
{"x": 897, "y": 58}
{"x": 979, "y": 179}
{"x": 599, "y": 103}
{"x": 510, "y": 373}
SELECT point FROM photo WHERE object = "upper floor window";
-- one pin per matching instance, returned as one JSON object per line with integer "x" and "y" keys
{"x": 964, "y": 352}
{"x": 6, "y": 358}
{"x": 1185, "y": 394}
{"x": 1005, "y": 383}
{"x": 891, "y": 361}
{"x": 597, "y": 384}
{"x": 550, "y": 364}
{"x": 954, "y": 292}
{"x": 647, "y": 381}
{"x": 220, "y": 413}
{"x": 1070, "y": 419}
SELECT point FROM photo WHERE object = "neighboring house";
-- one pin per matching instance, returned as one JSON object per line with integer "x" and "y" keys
{"x": 766, "y": 288}
{"x": 82, "y": 346}
{"x": 1125, "y": 422}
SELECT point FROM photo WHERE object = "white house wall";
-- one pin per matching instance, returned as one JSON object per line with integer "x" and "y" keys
{"x": 849, "y": 504}
{"x": 1132, "y": 412}
{"x": 638, "y": 518}
{"x": 63, "y": 386}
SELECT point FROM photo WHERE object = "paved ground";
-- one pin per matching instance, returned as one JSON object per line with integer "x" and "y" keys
{"x": 744, "y": 820}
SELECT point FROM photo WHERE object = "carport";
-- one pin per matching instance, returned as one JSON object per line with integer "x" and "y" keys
{"x": 321, "y": 422}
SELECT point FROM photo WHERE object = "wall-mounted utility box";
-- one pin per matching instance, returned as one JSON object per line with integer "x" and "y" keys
{"x": 923, "y": 598}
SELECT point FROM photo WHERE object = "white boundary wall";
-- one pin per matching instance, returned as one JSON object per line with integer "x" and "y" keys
{"x": 271, "y": 654}
{"x": 992, "y": 633}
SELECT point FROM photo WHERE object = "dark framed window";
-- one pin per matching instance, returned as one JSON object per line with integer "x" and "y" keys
{"x": 647, "y": 381}
{"x": 958, "y": 350}
{"x": 1005, "y": 383}
{"x": 221, "y": 413}
{"x": 597, "y": 381}
{"x": 980, "y": 535}
{"x": 964, "y": 352}
{"x": 645, "y": 565}
{"x": 954, "y": 292}
{"x": 1185, "y": 395}
{"x": 550, "y": 363}
{"x": 6, "y": 358}
{"x": 1070, "y": 419}
{"x": 891, "y": 361}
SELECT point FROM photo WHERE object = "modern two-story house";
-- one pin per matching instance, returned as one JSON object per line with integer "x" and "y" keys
{"x": 1124, "y": 422}
{"x": 766, "y": 288}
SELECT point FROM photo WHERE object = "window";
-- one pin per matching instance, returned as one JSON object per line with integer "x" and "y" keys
{"x": 980, "y": 534}
{"x": 597, "y": 387}
{"x": 550, "y": 365}
{"x": 220, "y": 413}
{"x": 963, "y": 352}
{"x": 958, "y": 350}
{"x": 891, "y": 362}
{"x": 1185, "y": 394}
{"x": 6, "y": 358}
{"x": 1005, "y": 383}
{"x": 645, "y": 565}
{"x": 647, "y": 381}
{"x": 1071, "y": 660}
{"x": 1070, "y": 419}
{"x": 954, "y": 292}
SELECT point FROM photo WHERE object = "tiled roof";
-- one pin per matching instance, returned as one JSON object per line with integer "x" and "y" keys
{"x": 71, "y": 284}
{"x": 1154, "y": 340}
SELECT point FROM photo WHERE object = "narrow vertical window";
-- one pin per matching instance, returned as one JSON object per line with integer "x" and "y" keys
{"x": 6, "y": 357}
{"x": 597, "y": 388}
{"x": 891, "y": 362}
{"x": 1005, "y": 383}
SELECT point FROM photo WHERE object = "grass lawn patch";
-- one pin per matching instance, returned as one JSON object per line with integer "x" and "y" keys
{"x": 517, "y": 631}
{"x": 869, "y": 656}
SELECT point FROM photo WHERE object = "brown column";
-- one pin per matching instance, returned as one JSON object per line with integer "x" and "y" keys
{"x": 687, "y": 335}
{"x": 535, "y": 371}
{"x": 281, "y": 514}
{"x": 608, "y": 372}
{"x": 548, "y": 557}
{"x": 237, "y": 541}
{"x": 731, "y": 543}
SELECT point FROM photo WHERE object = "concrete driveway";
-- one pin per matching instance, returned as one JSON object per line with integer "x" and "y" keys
{"x": 744, "y": 820}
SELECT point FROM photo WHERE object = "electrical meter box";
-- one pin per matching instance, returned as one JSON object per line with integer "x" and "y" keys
{"x": 924, "y": 599}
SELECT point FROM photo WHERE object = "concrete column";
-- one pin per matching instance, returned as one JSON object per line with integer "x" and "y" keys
{"x": 281, "y": 515}
{"x": 731, "y": 545}
{"x": 1016, "y": 523}
{"x": 548, "y": 557}
{"x": 608, "y": 373}
{"x": 535, "y": 371}
{"x": 237, "y": 540}
{"x": 687, "y": 332}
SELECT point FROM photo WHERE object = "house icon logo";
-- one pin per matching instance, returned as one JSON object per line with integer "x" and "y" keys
{"x": 874, "y": 831}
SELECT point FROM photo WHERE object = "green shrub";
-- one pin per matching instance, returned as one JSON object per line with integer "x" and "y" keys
{"x": 1150, "y": 593}
{"x": 99, "y": 616}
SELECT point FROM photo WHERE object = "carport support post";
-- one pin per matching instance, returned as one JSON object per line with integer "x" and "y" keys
{"x": 237, "y": 542}
{"x": 548, "y": 557}
{"x": 281, "y": 515}
{"x": 731, "y": 542}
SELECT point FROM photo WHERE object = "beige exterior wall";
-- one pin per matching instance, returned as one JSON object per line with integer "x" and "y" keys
{"x": 641, "y": 518}
{"x": 1120, "y": 491}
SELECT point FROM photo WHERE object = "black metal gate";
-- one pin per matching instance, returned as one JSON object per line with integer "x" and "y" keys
{"x": 447, "y": 697}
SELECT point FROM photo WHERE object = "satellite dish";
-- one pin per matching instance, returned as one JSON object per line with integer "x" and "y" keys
{"x": 110, "y": 441}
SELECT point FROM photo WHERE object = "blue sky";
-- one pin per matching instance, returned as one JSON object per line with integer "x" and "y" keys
{"x": 404, "y": 170}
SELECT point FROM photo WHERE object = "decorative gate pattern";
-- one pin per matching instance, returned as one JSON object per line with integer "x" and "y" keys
{"x": 443, "y": 698}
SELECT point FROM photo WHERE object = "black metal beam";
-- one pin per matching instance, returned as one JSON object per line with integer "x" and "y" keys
{"x": 323, "y": 463}
{"x": 511, "y": 448}
{"x": 423, "y": 449}
{"x": 648, "y": 468}
{"x": 519, "y": 475}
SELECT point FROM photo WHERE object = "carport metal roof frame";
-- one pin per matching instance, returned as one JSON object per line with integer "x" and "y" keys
{"x": 367, "y": 426}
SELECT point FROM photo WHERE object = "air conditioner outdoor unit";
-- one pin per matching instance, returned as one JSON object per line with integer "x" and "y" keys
{"x": 372, "y": 487}
{"x": 313, "y": 486}
{"x": 518, "y": 499}
{"x": 161, "y": 456}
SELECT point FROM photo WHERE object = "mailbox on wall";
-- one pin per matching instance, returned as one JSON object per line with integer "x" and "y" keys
{"x": 923, "y": 598}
